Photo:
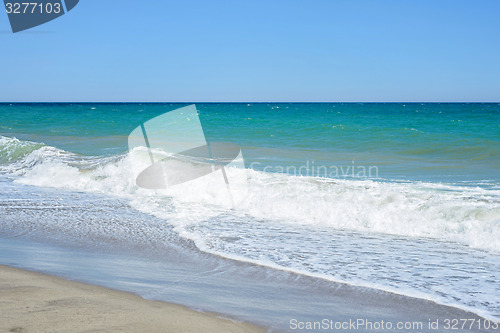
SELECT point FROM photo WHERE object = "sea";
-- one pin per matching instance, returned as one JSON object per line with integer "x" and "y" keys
{"x": 395, "y": 198}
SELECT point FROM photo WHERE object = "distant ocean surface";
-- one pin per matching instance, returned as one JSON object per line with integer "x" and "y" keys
{"x": 397, "y": 197}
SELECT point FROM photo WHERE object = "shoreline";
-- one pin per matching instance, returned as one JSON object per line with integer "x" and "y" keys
{"x": 38, "y": 234}
{"x": 269, "y": 306}
{"x": 37, "y": 302}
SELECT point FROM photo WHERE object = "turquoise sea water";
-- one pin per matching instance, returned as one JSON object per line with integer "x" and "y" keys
{"x": 426, "y": 224}
{"x": 435, "y": 141}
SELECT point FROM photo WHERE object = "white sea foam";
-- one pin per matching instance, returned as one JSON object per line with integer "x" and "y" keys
{"x": 297, "y": 223}
{"x": 458, "y": 213}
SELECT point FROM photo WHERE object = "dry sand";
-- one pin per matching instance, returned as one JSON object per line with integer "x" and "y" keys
{"x": 33, "y": 302}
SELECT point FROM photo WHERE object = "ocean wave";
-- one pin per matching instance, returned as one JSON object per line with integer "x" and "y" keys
{"x": 18, "y": 157}
{"x": 12, "y": 149}
{"x": 466, "y": 214}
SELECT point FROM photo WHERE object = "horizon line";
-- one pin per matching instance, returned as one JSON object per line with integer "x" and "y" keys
{"x": 250, "y": 102}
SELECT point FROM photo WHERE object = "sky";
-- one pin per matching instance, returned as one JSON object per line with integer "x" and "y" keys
{"x": 257, "y": 51}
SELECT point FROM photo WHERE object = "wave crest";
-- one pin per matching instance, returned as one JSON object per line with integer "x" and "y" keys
{"x": 466, "y": 214}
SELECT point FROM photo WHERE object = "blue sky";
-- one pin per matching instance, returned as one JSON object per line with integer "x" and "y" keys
{"x": 252, "y": 50}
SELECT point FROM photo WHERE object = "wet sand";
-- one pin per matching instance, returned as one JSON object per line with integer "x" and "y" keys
{"x": 34, "y": 302}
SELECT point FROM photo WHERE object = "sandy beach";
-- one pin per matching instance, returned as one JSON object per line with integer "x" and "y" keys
{"x": 34, "y": 302}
